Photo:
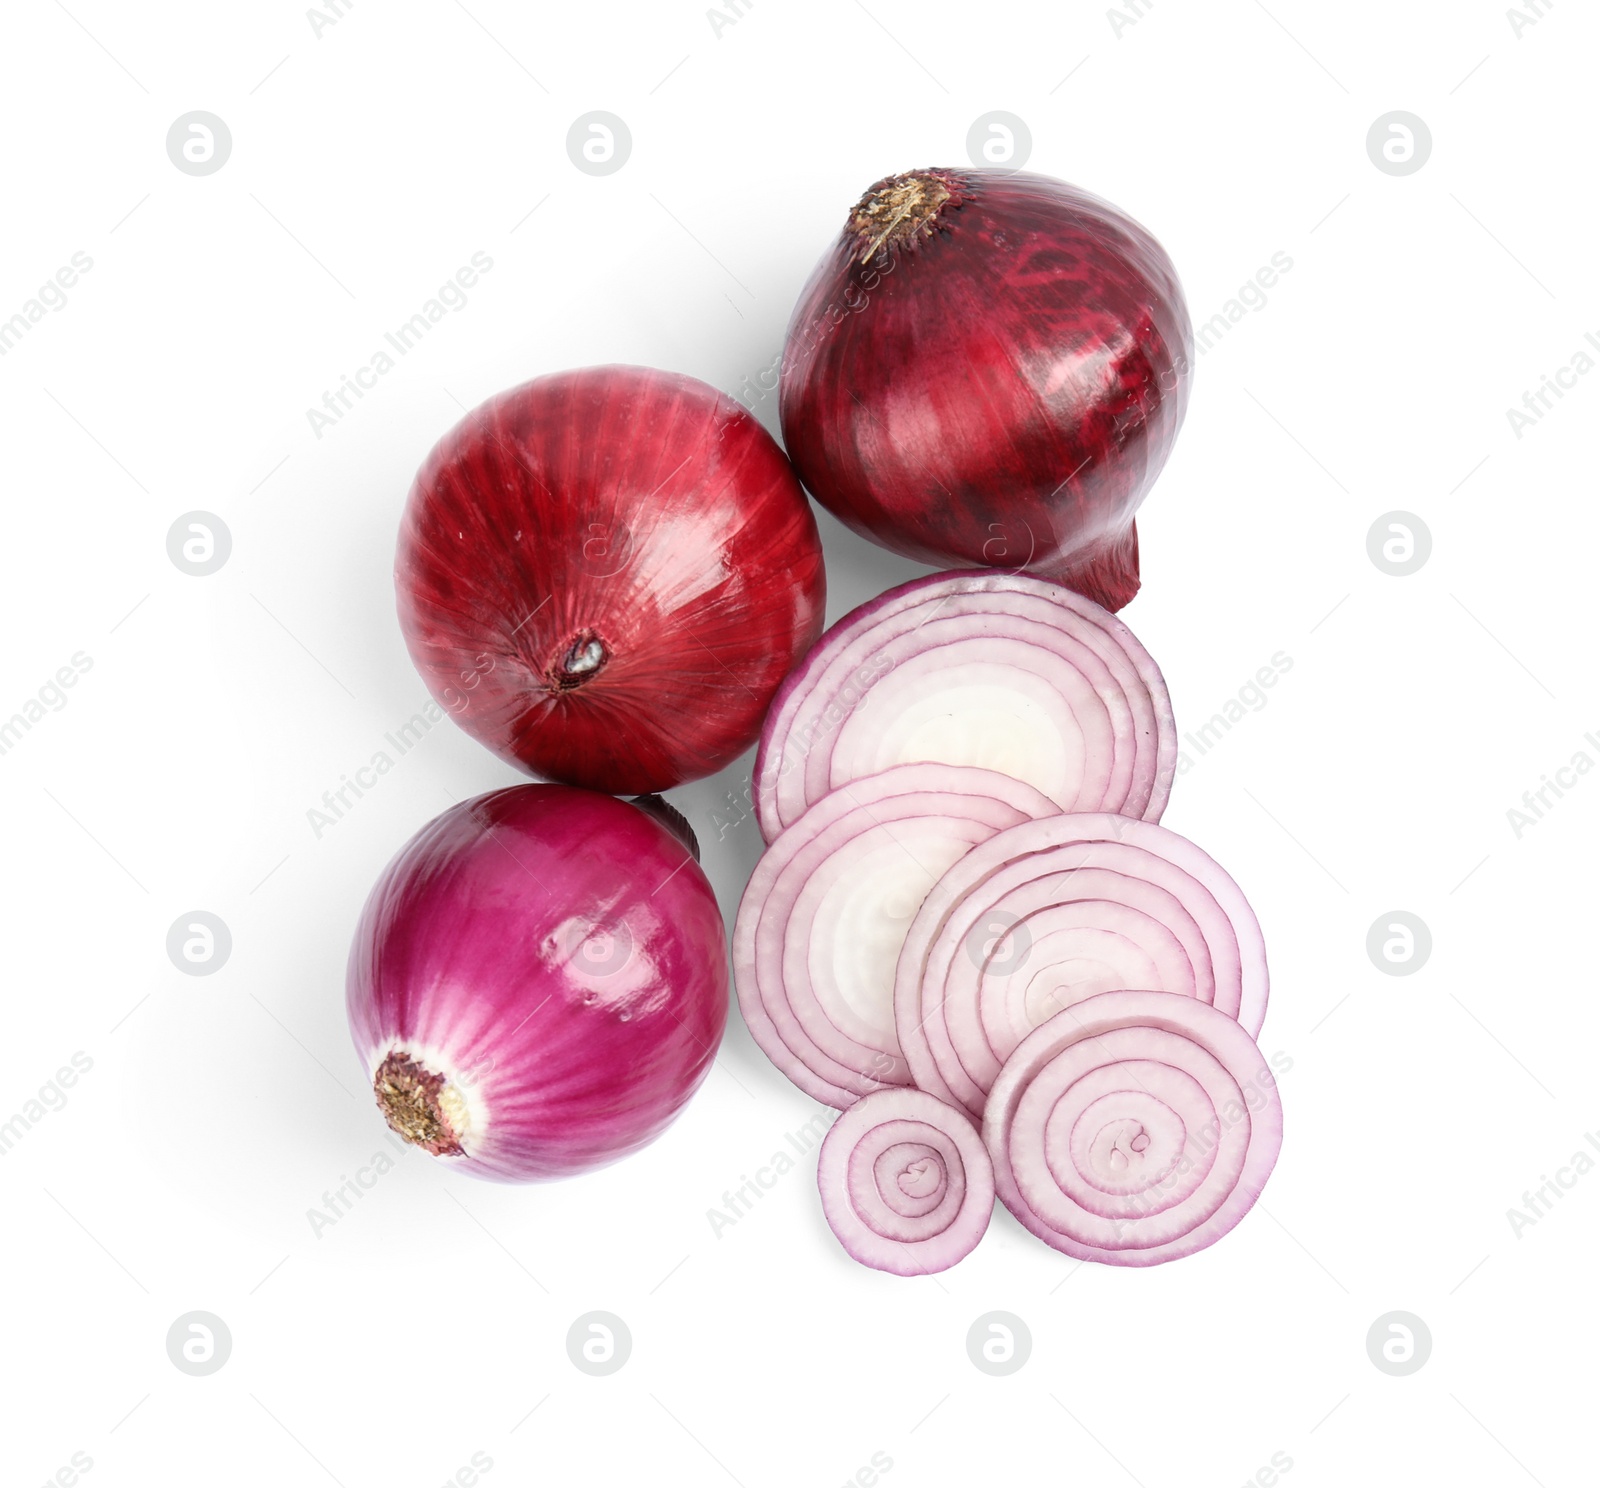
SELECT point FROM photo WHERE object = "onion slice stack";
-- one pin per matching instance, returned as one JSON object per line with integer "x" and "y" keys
{"x": 819, "y": 929}
{"x": 1054, "y": 911}
{"x": 995, "y": 670}
{"x": 906, "y": 1183}
{"x": 1133, "y": 1128}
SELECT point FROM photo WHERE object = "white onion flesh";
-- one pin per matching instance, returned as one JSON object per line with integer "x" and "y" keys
{"x": 996, "y": 671}
{"x": 819, "y": 932}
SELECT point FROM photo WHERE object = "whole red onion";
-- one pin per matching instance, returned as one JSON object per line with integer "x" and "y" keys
{"x": 538, "y": 982}
{"x": 603, "y": 575}
{"x": 990, "y": 367}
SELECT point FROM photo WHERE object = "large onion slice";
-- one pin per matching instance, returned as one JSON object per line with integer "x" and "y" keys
{"x": 994, "y": 670}
{"x": 1133, "y": 1128}
{"x": 819, "y": 930}
{"x": 1055, "y": 911}
{"x": 906, "y": 1183}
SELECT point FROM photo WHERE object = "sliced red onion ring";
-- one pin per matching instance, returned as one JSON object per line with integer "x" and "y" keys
{"x": 1055, "y": 911}
{"x": 1018, "y": 699}
{"x": 819, "y": 930}
{"x": 1133, "y": 1128}
{"x": 974, "y": 668}
{"x": 906, "y": 1183}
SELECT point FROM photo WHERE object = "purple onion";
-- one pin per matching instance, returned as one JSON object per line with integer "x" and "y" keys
{"x": 538, "y": 983}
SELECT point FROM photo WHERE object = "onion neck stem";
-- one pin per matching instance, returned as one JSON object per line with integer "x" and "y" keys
{"x": 581, "y": 660}
{"x": 899, "y": 209}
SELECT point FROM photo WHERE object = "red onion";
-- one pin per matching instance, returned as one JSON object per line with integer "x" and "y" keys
{"x": 906, "y": 1183}
{"x": 603, "y": 576}
{"x": 1052, "y": 912}
{"x": 990, "y": 367}
{"x": 538, "y": 983}
{"x": 822, "y": 919}
{"x": 1133, "y": 1128}
{"x": 995, "y": 670}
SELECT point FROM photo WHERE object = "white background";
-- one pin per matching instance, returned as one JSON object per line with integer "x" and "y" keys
{"x": 368, "y": 164}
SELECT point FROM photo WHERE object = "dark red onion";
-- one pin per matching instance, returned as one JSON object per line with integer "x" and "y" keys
{"x": 906, "y": 1183}
{"x": 1133, "y": 1128}
{"x": 603, "y": 575}
{"x": 1051, "y": 912}
{"x": 538, "y": 983}
{"x": 975, "y": 668}
{"x": 990, "y": 367}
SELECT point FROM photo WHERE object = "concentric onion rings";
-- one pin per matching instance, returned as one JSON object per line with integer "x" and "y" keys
{"x": 1162, "y": 896}
{"x": 1133, "y": 1128}
{"x": 819, "y": 929}
{"x": 946, "y": 617}
{"x": 906, "y": 1182}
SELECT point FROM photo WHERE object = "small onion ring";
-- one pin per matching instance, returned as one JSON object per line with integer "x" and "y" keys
{"x": 906, "y": 1182}
{"x": 1133, "y": 1128}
